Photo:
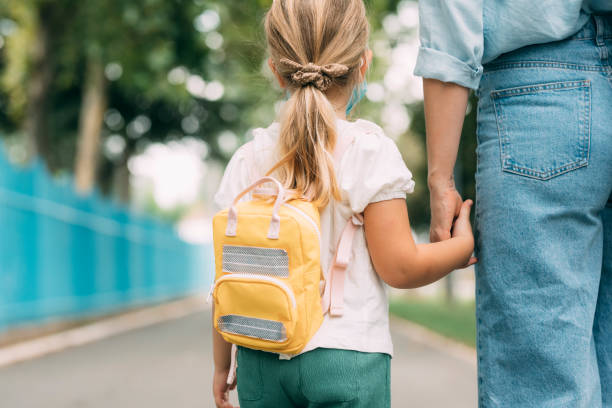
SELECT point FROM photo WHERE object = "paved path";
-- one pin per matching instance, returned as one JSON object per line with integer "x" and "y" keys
{"x": 169, "y": 365}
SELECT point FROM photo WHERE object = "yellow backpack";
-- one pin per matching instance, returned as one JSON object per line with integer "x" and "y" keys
{"x": 270, "y": 292}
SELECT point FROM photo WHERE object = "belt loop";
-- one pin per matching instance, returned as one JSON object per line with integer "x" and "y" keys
{"x": 599, "y": 37}
{"x": 599, "y": 30}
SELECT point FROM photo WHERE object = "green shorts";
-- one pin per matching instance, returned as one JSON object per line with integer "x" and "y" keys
{"x": 318, "y": 378}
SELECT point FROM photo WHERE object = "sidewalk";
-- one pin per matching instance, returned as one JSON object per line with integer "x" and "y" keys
{"x": 169, "y": 365}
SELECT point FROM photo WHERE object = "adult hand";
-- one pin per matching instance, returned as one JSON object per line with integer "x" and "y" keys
{"x": 445, "y": 203}
{"x": 221, "y": 389}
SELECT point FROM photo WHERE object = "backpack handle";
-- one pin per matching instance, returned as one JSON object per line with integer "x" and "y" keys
{"x": 232, "y": 215}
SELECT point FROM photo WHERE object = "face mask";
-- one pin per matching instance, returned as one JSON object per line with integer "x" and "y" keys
{"x": 358, "y": 93}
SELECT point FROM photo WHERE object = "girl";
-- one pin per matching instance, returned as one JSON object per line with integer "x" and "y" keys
{"x": 318, "y": 53}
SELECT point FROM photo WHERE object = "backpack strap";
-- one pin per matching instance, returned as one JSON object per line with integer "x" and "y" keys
{"x": 232, "y": 214}
{"x": 332, "y": 300}
{"x": 333, "y": 295}
{"x": 231, "y": 375}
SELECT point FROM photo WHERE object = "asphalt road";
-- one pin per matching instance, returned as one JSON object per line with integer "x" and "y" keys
{"x": 170, "y": 365}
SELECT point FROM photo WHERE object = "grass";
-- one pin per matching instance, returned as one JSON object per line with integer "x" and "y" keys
{"x": 455, "y": 320}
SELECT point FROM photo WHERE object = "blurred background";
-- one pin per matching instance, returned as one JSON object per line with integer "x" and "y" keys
{"x": 116, "y": 121}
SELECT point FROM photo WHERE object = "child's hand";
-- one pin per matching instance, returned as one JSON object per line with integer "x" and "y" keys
{"x": 462, "y": 228}
{"x": 221, "y": 389}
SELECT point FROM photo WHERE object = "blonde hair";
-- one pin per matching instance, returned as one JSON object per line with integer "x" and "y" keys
{"x": 316, "y": 46}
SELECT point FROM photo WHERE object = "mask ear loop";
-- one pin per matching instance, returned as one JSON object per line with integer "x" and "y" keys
{"x": 359, "y": 91}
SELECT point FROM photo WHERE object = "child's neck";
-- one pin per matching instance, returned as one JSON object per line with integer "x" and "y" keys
{"x": 339, "y": 100}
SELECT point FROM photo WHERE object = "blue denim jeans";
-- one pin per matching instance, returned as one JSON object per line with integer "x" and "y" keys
{"x": 544, "y": 224}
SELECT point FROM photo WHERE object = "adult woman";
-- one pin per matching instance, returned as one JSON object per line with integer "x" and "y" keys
{"x": 543, "y": 75}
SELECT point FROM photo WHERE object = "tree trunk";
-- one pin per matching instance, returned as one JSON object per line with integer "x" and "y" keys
{"x": 39, "y": 85}
{"x": 90, "y": 126}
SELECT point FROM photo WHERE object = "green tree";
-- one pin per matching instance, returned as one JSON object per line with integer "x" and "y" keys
{"x": 76, "y": 75}
{"x": 110, "y": 56}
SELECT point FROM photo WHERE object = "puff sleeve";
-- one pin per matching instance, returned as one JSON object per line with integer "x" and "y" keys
{"x": 236, "y": 178}
{"x": 373, "y": 170}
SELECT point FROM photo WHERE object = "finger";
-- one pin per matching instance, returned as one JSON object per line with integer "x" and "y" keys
{"x": 222, "y": 397}
{"x": 458, "y": 205}
{"x": 471, "y": 262}
{"x": 226, "y": 403}
{"x": 465, "y": 209}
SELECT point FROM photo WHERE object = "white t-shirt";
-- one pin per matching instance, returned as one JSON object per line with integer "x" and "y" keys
{"x": 371, "y": 170}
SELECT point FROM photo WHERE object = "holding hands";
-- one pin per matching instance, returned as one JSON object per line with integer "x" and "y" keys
{"x": 450, "y": 217}
{"x": 445, "y": 107}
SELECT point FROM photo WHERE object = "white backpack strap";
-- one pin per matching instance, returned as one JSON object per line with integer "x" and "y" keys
{"x": 232, "y": 214}
{"x": 333, "y": 294}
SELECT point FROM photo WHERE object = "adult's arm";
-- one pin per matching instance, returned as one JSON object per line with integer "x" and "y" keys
{"x": 450, "y": 62}
{"x": 445, "y": 105}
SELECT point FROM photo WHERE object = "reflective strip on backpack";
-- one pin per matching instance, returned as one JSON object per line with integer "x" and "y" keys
{"x": 252, "y": 327}
{"x": 255, "y": 260}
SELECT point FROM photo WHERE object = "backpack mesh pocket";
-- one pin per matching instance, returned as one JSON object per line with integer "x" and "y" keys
{"x": 253, "y": 327}
{"x": 262, "y": 261}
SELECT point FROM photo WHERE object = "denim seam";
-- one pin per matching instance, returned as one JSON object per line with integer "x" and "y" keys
{"x": 480, "y": 339}
{"x": 541, "y": 64}
{"x": 499, "y": 114}
{"x": 605, "y": 37}
{"x": 537, "y": 88}
{"x": 587, "y": 116}
{"x": 543, "y": 175}
{"x": 507, "y": 163}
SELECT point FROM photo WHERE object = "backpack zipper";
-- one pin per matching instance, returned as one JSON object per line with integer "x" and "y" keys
{"x": 305, "y": 216}
{"x": 246, "y": 276}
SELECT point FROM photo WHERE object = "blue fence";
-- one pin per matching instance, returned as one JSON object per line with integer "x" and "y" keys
{"x": 63, "y": 255}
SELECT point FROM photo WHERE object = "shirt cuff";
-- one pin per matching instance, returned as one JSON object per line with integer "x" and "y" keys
{"x": 446, "y": 68}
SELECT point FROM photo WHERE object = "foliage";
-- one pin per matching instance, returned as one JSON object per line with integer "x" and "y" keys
{"x": 141, "y": 40}
{"x": 151, "y": 50}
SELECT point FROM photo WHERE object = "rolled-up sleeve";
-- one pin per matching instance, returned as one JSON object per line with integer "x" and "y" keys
{"x": 452, "y": 41}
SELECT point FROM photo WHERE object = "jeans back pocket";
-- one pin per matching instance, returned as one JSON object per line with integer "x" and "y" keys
{"x": 544, "y": 129}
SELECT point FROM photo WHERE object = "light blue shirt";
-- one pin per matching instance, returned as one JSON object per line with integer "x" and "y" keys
{"x": 458, "y": 36}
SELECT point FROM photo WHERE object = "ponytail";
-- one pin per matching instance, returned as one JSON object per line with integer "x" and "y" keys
{"x": 315, "y": 46}
{"x": 307, "y": 136}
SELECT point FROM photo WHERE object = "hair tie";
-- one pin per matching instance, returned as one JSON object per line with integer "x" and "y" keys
{"x": 320, "y": 76}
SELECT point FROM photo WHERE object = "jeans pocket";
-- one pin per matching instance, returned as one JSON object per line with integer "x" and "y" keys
{"x": 329, "y": 376}
{"x": 544, "y": 129}
{"x": 248, "y": 374}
